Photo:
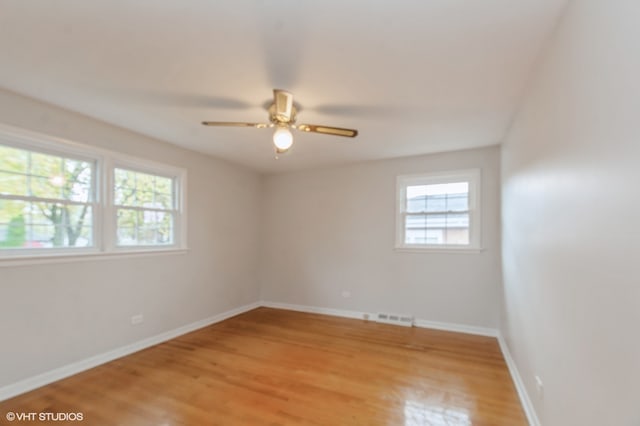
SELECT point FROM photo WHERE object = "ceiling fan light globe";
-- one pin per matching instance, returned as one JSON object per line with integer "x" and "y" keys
{"x": 282, "y": 139}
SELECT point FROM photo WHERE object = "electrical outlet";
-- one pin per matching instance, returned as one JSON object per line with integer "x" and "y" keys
{"x": 346, "y": 294}
{"x": 539, "y": 387}
{"x": 137, "y": 319}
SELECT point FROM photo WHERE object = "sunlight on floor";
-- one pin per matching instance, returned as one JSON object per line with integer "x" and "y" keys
{"x": 418, "y": 413}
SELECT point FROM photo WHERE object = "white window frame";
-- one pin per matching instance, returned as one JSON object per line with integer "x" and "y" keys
{"x": 103, "y": 210}
{"x": 179, "y": 178}
{"x": 473, "y": 177}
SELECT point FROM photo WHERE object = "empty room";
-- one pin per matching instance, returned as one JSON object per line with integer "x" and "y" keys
{"x": 320, "y": 213}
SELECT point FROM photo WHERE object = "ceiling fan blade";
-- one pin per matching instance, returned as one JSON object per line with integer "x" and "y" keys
{"x": 283, "y": 101}
{"x": 235, "y": 124}
{"x": 336, "y": 131}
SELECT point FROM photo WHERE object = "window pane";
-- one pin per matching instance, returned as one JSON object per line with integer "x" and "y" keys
{"x": 415, "y": 236}
{"x": 45, "y": 187}
{"x": 144, "y": 182}
{"x": 125, "y": 188}
{"x": 135, "y": 189}
{"x": 424, "y": 236}
{"x": 12, "y": 224}
{"x": 457, "y": 236}
{"x": 77, "y": 182}
{"x": 13, "y": 160}
{"x": 437, "y": 213}
{"x": 164, "y": 185}
{"x": 437, "y": 221}
{"x": 44, "y": 165}
{"x": 457, "y": 228}
{"x": 416, "y": 199}
{"x": 435, "y": 236}
{"x": 26, "y": 224}
{"x": 127, "y": 227}
{"x": 144, "y": 227}
{"x": 438, "y": 197}
{"x": 436, "y": 203}
{"x": 13, "y": 184}
{"x": 457, "y": 220}
{"x": 425, "y": 229}
{"x": 448, "y": 228}
{"x": 33, "y": 174}
{"x": 67, "y": 225}
{"x": 36, "y": 222}
{"x": 163, "y": 201}
{"x": 149, "y": 220}
{"x": 416, "y": 221}
{"x": 144, "y": 198}
{"x": 457, "y": 202}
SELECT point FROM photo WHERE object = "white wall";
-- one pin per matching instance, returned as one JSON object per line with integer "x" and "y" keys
{"x": 55, "y": 314}
{"x": 331, "y": 230}
{"x": 571, "y": 244}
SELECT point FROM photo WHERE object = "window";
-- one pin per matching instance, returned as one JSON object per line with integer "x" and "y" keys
{"x": 46, "y": 200}
{"x": 145, "y": 208}
{"x": 53, "y": 200}
{"x": 439, "y": 210}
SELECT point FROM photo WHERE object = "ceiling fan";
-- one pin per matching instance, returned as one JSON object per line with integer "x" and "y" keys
{"x": 282, "y": 116}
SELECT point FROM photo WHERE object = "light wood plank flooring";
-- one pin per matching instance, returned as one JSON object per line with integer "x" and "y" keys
{"x": 276, "y": 367}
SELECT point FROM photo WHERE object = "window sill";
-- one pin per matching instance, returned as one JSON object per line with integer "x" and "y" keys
{"x": 30, "y": 259}
{"x": 447, "y": 250}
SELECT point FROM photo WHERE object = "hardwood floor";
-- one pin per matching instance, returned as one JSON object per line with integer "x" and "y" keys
{"x": 275, "y": 367}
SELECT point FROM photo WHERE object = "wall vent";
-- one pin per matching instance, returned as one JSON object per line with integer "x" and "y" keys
{"x": 395, "y": 319}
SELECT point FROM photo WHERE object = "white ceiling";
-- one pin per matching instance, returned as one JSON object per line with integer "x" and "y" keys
{"x": 413, "y": 77}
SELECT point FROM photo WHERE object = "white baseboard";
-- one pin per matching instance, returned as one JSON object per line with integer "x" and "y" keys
{"x": 529, "y": 410}
{"x": 458, "y": 328}
{"x": 315, "y": 310}
{"x": 34, "y": 382}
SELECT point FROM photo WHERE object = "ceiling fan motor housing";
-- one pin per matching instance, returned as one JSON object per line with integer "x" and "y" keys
{"x": 278, "y": 119}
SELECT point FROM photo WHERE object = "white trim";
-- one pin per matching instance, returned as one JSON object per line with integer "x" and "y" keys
{"x": 457, "y": 328}
{"x": 42, "y": 141}
{"x": 26, "y": 260}
{"x": 442, "y": 250}
{"x": 525, "y": 401}
{"x": 179, "y": 211}
{"x": 108, "y": 212}
{"x": 20, "y": 138}
{"x": 103, "y": 210}
{"x": 473, "y": 177}
{"x": 60, "y": 373}
{"x": 317, "y": 310}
